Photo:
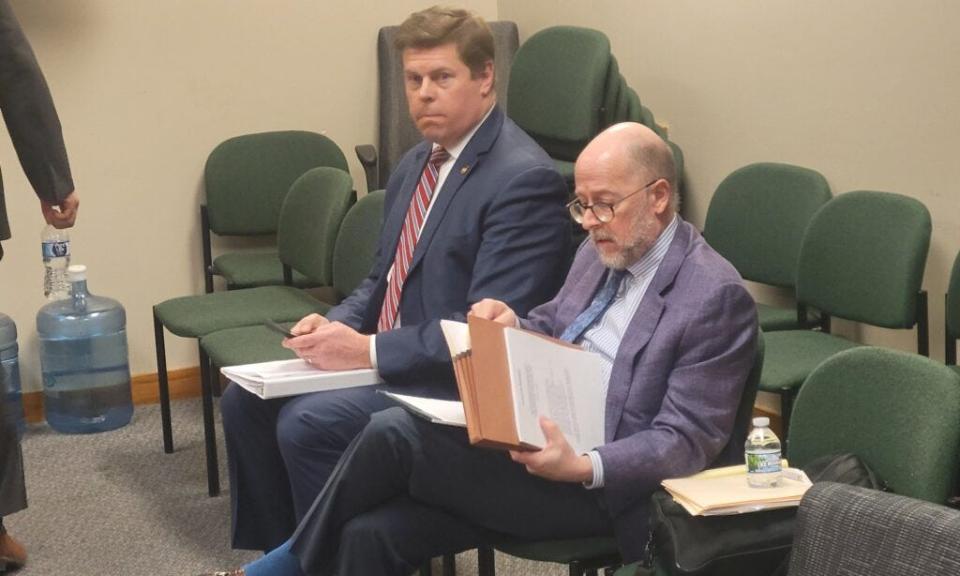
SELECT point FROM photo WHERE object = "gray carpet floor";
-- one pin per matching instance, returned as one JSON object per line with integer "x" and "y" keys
{"x": 114, "y": 504}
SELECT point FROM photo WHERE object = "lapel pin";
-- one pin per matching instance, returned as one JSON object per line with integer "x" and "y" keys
{"x": 464, "y": 169}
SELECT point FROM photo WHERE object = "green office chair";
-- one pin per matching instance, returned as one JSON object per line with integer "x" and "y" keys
{"x": 309, "y": 221}
{"x": 585, "y": 556}
{"x": 246, "y": 179}
{"x": 556, "y": 91}
{"x": 353, "y": 258}
{"x": 899, "y": 412}
{"x": 861, "y": 259}
{"x": 952, "y": 316}
{"x": 756, "y": 220}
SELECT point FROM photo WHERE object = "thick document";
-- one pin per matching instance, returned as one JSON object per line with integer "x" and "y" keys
{"x": 508, "y": 378}
{"x": 720, "y": 491}
{"x": 292, "y": 377}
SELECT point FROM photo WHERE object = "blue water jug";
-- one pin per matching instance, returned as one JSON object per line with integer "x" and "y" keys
{"x": 10, "y": 373}
{"x": 83, "y": 357}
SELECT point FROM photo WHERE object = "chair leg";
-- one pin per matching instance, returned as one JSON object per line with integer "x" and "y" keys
{"x": 786, "y": 408}
{"x": 923, "y": 329}
{"x": 576, "y": 569}
{"x": 164, "y": 385}
{"x": 426, "y": 569}
{"x": 485, "y": 561}
{"x": 449, "y": 565}
{"x": 209, "y": 430}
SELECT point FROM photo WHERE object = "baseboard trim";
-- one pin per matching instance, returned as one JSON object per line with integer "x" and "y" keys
{"x": 144, "y": 388}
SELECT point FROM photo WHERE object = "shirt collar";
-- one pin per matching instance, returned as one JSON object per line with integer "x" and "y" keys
{"x": 457, "y": 149}
{"x": 650, "y": 261}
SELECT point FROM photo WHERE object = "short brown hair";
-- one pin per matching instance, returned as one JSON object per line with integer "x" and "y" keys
{"x": 440, "y": 25}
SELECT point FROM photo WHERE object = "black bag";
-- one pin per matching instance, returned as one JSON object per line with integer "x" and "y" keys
{"x": 740, "y": 544}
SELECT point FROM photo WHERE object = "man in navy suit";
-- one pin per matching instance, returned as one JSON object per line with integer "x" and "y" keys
{"x": 475, "y": 211}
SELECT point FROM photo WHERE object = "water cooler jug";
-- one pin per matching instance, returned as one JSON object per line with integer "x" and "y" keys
{"x": 83, "y": 358}
{"x": 10, "y": 373}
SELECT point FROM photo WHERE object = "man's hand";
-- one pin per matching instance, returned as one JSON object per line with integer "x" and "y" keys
{"x": 330, "y": 345}
{"x": 67, "y": 213}
{"x": 556, "y": 460}
{"x": 308, "y": 324}
{"x": 495, "y": 310}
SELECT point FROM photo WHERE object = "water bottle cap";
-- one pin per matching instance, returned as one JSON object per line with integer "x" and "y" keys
{"x": 77, "y": 272}
{"x": 759, "y": 421}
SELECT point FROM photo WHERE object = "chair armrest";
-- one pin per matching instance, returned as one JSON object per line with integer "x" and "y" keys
{"x": 367, "y": 155}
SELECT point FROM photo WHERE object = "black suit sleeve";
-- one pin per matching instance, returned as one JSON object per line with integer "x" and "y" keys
{"x": 29, "y": 113}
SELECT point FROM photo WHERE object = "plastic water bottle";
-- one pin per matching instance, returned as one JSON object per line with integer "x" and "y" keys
{"x": 10, "y": 373}
{"x": 83, "y": 357}
{"x": 762, "y": 453}
{"x": 56, "y": 257}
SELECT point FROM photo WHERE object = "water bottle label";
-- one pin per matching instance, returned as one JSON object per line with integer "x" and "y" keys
{"x": 53, "y": 250}
{"x": 763, "y": 462}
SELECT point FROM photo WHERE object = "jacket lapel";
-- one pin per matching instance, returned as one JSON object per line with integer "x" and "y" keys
{"x": 641, "y": 328}
{"x": 468, "y": 161}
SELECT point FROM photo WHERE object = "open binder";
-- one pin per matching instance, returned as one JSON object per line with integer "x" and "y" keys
{"x": 509, "y": 377}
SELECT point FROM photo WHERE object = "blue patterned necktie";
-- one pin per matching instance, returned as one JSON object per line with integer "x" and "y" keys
{"x": 595, "y": 310}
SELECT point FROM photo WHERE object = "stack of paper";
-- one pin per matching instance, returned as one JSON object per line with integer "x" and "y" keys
{"x": 292, "y": 377}
{"x": 726, "y": 491}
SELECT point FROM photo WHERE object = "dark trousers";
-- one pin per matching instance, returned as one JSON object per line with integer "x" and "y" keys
{"x": 281, "y": 452}
{"x": 407, "y": 490}
{"x": 13, "y": 491}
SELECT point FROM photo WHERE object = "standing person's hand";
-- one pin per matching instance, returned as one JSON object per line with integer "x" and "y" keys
{"x": 67, "y": 213}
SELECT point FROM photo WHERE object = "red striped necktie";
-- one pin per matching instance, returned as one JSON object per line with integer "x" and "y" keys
{"x": 409, "y": 236}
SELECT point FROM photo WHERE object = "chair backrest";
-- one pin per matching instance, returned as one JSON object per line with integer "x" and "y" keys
{"x": 357, "y": 243}
{"x": 849, "y": 531}
{"x": 899, "y": 412}
{"x": 862, "y": 258}
{"x": 310, "y": 220}
{"x": 557, "y": 84}
{"x": 732, "y": 453}
{"x": 757, "y": 217}
{"x": 247, "y": 177}
{"x": 953, "y": 309}
{"x": 397, "y": 131}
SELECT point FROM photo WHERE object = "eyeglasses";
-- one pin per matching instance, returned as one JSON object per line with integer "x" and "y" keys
{"x": 602, "y": 211}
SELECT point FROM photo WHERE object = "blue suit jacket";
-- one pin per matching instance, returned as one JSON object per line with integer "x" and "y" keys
{"x": 497, "y": 229}
{"x": 677, "y": 377}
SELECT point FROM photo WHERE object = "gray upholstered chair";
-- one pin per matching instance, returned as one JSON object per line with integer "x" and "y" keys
{"x": 848, "y": 531}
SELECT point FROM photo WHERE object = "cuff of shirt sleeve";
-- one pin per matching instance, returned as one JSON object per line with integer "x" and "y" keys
{"x": 373, "y": 351}
{"x": 597, "y": 463}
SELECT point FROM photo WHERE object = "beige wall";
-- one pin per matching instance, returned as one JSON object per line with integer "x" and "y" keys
{"x": 145, "y": 89}
{"x": 865, "y": 92}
